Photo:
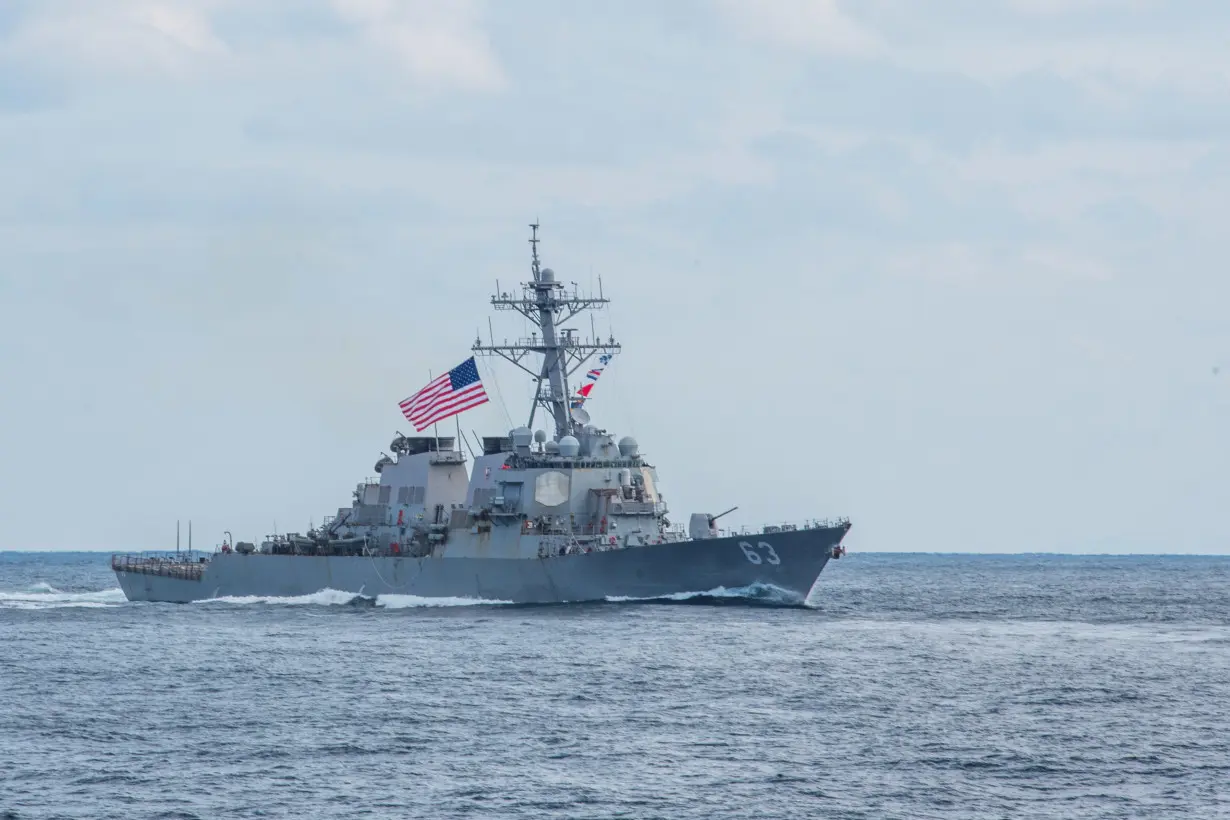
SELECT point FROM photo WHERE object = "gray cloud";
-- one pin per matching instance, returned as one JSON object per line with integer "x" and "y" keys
{"x": 955, "y": 271}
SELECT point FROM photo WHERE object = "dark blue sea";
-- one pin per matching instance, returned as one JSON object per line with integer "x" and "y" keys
{"x": 912, "y": 686}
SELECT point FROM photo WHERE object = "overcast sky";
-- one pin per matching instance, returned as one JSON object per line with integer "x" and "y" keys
{"x": 955, "y": 269}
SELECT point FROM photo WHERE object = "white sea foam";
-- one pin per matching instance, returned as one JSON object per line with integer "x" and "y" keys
{"x": 409, "y": 601}
{"x": 44, "y": 596}
{"x": 325, "y": 597}
{"x": 336, "y": 597}
{"x": 766, "y": 593}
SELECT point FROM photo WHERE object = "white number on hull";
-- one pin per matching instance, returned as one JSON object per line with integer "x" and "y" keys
{"x": 754, "y": 557}
{"x": 772, "y": 554}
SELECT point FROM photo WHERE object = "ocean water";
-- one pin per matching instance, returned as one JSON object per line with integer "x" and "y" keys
{"x": 910, "y": 687}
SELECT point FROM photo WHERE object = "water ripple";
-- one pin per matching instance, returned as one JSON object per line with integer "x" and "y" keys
{"x": 910, "y": 687}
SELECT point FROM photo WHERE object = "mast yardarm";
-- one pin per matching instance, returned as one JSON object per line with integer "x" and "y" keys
{"x": 549, "y": 305}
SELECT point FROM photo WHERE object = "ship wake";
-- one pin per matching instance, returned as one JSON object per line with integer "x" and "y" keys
{"x": 44, "y": 596}
{"x": 758, "y": 594}
{"x": 337, "y": 597}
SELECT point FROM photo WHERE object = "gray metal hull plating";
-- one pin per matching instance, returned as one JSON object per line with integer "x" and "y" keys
{"x": 790, "y": 561}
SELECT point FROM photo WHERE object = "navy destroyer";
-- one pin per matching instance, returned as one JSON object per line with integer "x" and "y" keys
{"x": 565, "y": 513}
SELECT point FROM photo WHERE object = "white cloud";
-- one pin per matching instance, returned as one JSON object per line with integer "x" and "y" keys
{"x": 815, "y": 24}
{"x": 121, "y": 35}
{"x": 1058, "y": 184}
{"x": 1007, "y": 39}
{"x": 438, "y": 45}
{"x": 1068, "y": 7}
{"x": 1112, "y": 66}
{"x": 293, "y": 190}
{"x": 437, "y": 42}
{"x": 991, "y": 264}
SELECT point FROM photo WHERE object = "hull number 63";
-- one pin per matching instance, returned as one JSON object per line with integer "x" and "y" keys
{"x": 753, "y": 553}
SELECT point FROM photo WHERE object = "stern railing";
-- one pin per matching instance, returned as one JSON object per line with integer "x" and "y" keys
{"x": 154, "y": 565}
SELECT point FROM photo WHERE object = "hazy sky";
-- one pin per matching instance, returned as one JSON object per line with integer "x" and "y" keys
{"x": 956, "y": 269}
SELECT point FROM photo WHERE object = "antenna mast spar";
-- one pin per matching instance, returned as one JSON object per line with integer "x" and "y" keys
{"x": 547, "y": 304}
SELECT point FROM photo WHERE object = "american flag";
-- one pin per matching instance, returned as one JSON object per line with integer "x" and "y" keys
{"x": 457, "y": 390}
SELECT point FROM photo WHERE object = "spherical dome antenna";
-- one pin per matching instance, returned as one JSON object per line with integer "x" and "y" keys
{"x": 569, "y": 447}
{"x": 628, "y": 447}
{"x": 540, "y": 436}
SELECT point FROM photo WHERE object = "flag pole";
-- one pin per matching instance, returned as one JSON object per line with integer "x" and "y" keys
{"x": 435, "y": 427}
{"x": 457, "y": 441}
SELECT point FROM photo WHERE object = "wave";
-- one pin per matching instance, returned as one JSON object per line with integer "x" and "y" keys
{"x": 325, "y": 597}
{"x": 411, "y": 601}
{"x": 757, "y": 594}
{"x": 754, "y": 594}
{"x": 336, "y": 597}
{"x": 44, "y": 596}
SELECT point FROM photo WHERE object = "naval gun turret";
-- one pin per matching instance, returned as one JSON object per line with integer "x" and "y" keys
{"x": 703, "y": 525}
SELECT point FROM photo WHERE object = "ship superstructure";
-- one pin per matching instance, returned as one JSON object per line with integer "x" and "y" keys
{"x": 565, "y": 513}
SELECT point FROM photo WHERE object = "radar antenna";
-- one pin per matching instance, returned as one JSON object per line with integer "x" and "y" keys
{"x": 534, "y": 249}
{"x": 549, "y": 305}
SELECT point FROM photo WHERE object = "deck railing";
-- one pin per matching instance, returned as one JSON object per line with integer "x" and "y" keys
{"x": 166, "y": 567}
{"x": 816, "y": 524}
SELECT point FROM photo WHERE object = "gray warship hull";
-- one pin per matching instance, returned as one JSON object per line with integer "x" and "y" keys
{"x": 790, "y": 561}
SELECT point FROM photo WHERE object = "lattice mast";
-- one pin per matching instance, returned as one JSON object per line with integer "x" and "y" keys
{"x": 549, "y": 305}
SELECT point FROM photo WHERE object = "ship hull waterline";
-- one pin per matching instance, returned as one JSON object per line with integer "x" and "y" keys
{"x": 789, "y": 561}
